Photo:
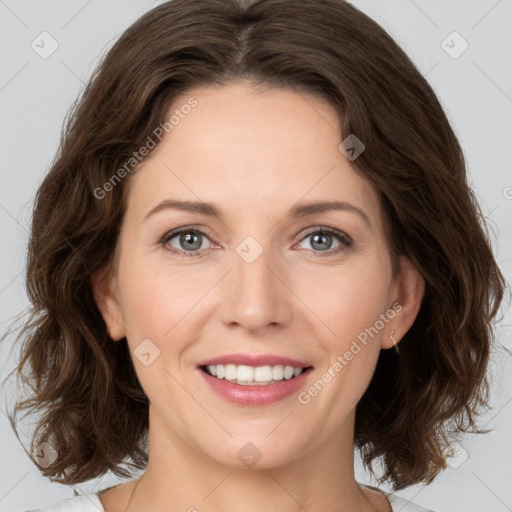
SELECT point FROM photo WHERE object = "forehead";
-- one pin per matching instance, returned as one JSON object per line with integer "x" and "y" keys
{"x": 250, "y": 148}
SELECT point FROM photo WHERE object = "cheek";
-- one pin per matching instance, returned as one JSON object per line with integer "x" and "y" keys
{"x": 349, "y": 300}
{"x": 352, "y": 306}
{"x": 161, "y": 305}
{"x": 159, "y": 302}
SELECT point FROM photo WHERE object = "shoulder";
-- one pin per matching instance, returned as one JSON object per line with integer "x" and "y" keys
{"x": 398, "y": 504}
{"x": 86, "y": 503}
{"x": 403, "y": 505}
{"x": 92, "y": 503}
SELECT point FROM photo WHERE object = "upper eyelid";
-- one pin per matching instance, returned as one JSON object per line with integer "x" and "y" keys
{"x": 327, "y": 229}
{"x": 174, "y": 232}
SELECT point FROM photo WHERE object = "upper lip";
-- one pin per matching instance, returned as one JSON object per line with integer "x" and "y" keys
{"x": 255, "y": 360}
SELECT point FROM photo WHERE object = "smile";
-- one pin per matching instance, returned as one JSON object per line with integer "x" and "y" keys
{"x": 254, "y": 385}
{"x": 245, "y": 375}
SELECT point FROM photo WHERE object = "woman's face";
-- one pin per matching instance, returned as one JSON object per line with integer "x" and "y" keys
{"x": 255, "y": 279}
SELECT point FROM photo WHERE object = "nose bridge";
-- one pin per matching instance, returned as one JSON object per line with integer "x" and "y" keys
{"x": 255, "y": 297}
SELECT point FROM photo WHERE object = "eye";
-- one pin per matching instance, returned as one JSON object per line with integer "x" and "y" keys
{"x": 189, "y": 242}
{"x": 322, "y": 238}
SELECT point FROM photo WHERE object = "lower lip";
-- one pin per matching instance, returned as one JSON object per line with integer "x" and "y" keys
{"x": 255, "y": 395}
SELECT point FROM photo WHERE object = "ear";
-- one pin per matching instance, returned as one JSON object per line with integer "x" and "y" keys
{"x": 106, "y": 297}
{"x": 406, "y": 296}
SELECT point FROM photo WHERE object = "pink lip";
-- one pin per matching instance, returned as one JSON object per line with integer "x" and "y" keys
{"x": 255, "y": 360}
{"x": 255, "y": 395}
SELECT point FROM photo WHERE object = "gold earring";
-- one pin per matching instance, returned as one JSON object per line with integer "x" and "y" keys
{"x": 395, "y": 343}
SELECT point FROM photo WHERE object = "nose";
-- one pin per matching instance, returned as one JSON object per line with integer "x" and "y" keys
{"x": 255, "y": 295}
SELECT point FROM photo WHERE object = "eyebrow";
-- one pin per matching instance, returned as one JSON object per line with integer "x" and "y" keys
{"x": 302, "y": 210}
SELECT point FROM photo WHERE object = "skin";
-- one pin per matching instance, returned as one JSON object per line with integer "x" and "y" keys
{"x": 254, "y": 152}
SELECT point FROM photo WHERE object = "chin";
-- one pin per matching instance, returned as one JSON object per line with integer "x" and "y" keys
{"x": 256, "y": 452}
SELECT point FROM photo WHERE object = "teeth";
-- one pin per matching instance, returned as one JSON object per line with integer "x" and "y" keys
{"x": 288, "y": 372}
{"x": 243, "y": 374}
{"x": 278, "y": 372}
{"x": 262, "y": 373}
{"x": 230, "y": 373}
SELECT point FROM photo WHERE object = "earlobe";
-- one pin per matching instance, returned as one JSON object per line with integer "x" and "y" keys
{"x": 104, "y": 290}
{"x": 408, "y": 292}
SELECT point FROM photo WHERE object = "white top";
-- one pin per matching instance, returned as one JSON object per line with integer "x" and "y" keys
{"x": 92, "y": 503}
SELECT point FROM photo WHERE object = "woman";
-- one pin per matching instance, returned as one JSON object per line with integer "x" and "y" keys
{"x": 255, "y": 250}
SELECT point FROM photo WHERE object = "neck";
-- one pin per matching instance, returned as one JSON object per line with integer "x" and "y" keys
{"x": 180, "y": 476}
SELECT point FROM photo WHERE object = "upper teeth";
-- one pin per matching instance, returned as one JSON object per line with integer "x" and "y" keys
{"x": 243, "y": 373}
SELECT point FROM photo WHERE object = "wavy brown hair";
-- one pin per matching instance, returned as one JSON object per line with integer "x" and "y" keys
{"x": 91, "y": 406}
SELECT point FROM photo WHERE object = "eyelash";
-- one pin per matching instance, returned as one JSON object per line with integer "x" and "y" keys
{"x": 345, "y": 241}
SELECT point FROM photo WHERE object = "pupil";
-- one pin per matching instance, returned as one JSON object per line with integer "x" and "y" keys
{"x": 188, "y": 238}
{"x": 321, "y": 237}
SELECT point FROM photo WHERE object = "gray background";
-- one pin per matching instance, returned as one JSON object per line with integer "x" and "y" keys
{"x": 475, "y": 88}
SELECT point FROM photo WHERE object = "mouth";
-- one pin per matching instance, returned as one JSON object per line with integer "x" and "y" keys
{"x": 246, "y": 375}
{"x": 245, "y": 385}
{"x": 254, "y": 379}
